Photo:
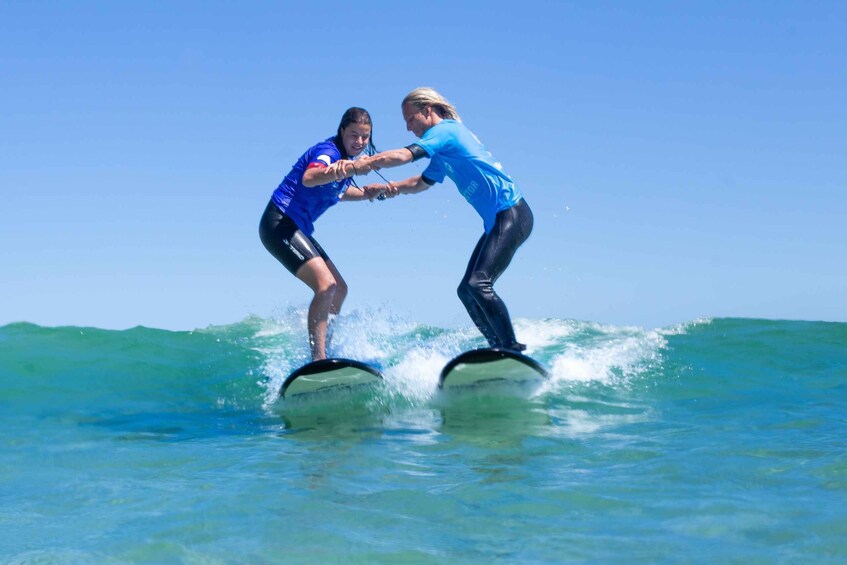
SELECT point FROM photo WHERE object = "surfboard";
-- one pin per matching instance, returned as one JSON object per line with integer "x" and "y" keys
{"x": 328, "y": 375}
{"x": 482, "y": 367}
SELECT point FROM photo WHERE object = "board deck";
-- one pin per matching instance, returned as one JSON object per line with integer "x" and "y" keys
{"x": 489, "y": 366}
{"x": 329, "y": 374}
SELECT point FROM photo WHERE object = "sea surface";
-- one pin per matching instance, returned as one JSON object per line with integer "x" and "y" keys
{"x": 715, "y": 441}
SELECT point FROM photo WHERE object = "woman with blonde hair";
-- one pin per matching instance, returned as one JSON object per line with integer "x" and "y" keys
{"x": 455, "y": 152}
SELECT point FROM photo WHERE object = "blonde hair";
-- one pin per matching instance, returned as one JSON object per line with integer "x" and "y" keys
{"x": 425, "y": 96}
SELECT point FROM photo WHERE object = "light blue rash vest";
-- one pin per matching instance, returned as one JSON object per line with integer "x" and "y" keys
{"x": 454, "y": 151}
{"x": 305, "y": 204}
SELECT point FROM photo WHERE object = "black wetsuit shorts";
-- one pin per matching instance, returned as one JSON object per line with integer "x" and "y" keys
{"x": 281, "y": 236}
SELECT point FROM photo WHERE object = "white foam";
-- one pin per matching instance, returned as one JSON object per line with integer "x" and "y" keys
{"x": 415, "y": 377}
{"x": 574, "y": 423}
{"x": 616, "y": 354}
{"x": 290, "y": 321}
{"x": 541, "y": 333}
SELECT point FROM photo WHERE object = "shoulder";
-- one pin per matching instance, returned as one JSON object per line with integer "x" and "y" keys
{"x": 326, "y": 149}
{"x": 446, "y": 127}
{"x": 440, "y": 135}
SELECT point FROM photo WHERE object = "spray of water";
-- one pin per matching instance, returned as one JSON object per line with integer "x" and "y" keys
{"x": 411, "y": 355}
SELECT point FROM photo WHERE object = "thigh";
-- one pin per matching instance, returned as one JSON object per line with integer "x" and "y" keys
{"x": 495, "y": 250}
{"x": 284, "y": 240}
{"x": 319, "y": 274}
{"x": 316, "y": 274}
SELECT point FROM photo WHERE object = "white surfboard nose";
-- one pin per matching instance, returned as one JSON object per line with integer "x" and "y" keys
{"x": 490, "y": 365}
{"x": 329, "y": 374}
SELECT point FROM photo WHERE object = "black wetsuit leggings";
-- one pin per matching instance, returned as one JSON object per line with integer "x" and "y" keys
{"x": 285, "y": 241}
{"x": 490, "y": 258}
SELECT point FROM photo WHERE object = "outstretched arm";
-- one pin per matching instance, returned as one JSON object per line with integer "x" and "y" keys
{"x": 344, "y": 168}
{"x": 339, "y": 170}
{"x": 411, "y": 185}
{"x": 354, "y": 193}
{"x": 316, "y": 176}
{"x": 391, "y": 158}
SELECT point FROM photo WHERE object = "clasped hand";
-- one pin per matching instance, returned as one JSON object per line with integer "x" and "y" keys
{"x": 380, "y": 191}
{"x": 344, "y": 168}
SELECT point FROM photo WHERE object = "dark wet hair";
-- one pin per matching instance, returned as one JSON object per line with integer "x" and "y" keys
{"x": 355, "y": 115}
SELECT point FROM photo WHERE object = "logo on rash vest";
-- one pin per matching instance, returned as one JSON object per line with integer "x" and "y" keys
{"x": 324, "y": 159}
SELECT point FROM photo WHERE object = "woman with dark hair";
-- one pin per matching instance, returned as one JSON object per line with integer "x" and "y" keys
{"x": 315, "y": 183}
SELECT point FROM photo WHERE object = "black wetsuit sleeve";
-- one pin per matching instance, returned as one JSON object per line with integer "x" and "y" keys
{"x": 417, "y": 151}
{"x": 428, "y": 181}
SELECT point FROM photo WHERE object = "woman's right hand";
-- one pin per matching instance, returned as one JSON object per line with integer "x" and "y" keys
{"x": 339, "y": 170}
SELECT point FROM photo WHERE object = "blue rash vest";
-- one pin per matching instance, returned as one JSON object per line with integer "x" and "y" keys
{"x": 305, "y": 204}
{"x": 454, "y": 151}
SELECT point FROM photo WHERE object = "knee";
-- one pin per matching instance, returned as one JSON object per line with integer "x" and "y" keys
{"x": 479, "y": 283}
{"x": 464, "y": 291}
{"x": 340, "y": 290}
{"x": 474, "y": 287}
{"x": 327, "y": 287}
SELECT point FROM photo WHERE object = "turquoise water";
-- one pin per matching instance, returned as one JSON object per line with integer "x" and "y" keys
{"x": 718, "y": 441}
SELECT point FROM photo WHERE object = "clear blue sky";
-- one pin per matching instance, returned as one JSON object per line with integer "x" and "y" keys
{"x": 682, "y": 159}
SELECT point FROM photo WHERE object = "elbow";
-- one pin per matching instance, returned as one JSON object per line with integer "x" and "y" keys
{"x": 309, "y": 181}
